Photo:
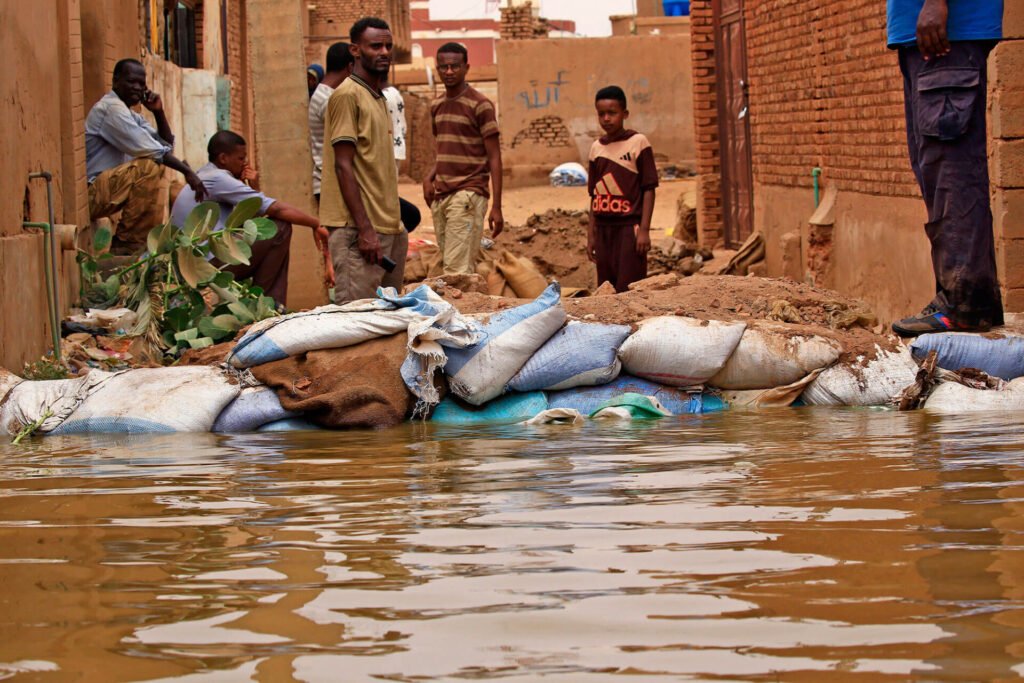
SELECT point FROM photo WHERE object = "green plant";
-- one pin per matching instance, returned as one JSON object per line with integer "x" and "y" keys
{"x": 166, "y": 286}
{"x": 45, "y": 368}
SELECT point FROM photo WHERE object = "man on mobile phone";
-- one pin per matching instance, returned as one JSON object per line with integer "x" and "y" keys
{"x": 359, "y": 193}
{"x": 125, "y": 157}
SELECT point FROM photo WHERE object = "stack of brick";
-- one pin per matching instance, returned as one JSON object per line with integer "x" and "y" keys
{"x": 330, "y": 20}
{"x": 522, "y": 22}
{"x": 1006, "y": 95}
{"x": 705, "y": 118}
{"x": 548, "y": 131}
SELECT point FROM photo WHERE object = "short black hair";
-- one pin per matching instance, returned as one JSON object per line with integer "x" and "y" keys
{"x": 339, "y": 57}
{"x": 611, "y": 92}
{"x": 359, "y": 28}
{"x": 122, "y": 66}
{"x": 223, "y": 142}
{"x": 455, "y": 49}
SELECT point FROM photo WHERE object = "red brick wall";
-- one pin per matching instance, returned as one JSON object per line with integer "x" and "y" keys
{"x": 824, "y": 92}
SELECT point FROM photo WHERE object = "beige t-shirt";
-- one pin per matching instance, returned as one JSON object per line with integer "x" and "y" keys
{"x": 358, "y": 114}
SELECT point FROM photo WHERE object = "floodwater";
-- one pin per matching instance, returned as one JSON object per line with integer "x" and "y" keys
{"x": 797, "y": 545}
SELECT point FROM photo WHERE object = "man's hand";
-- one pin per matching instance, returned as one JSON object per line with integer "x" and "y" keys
{"x": 328, "y": 271}
{"x": 932, "y": 39}
{"x": 250, "y": 176}
{"x": 428, "y": 191}
{"x": 320, "y": 237}
{"x": 196, "y": 184}
{"x": 643, "y": 240}
{"x": 496, "y": 221}
{"x": 152, "y": 101}
{"x": 591, "y": 245}
{"x": 369, "y": 246}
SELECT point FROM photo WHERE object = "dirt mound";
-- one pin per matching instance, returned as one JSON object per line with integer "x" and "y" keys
{"x": 556, "y": 241}
{"x": 808, "y": 309}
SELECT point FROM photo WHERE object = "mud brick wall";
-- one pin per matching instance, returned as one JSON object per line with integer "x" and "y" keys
{"x": 705, "y": 118}
{"x": 549, "y": 131}
{"x": 331, "y": 20}
{"x": 522, "y": 23}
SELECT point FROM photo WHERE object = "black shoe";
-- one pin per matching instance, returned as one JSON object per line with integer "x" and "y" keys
{"x": 930, "y": 320}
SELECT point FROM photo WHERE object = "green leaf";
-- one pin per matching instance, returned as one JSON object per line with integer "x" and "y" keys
{"x": 218, "y": 245}
{"x": 227, "y": 322}
{"x": 110, "y": 286}
{"x": 195, "y": 270}
{"x": 241, "y": 252}
{"x": 178, "y": 318}
{"x": 160, "y": 239}
{"x": 243, "y": 211}
{"x": 102, "y": 238}
{"x": 266, "y": 307}
{"x": 169, "y": 340}
{"x": 265, "y": 228}
{"x": 200, "y": 343}
{"x": 242, "y": 312}
{"x": 223, "y": 279}
{"x": 200, "y": 220}
{"x": 187, "y": 335}
{"x": 219, "y": 327}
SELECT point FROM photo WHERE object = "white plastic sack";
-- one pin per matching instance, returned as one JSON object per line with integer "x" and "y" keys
{"x": 773, "y": 356}
{"x": 952, "y": 398}
{"x": 28, "y": 401}
{"x": 568, "y": 174}
{"x": 1001, "y": 357}
{"x": 578, "y": 355}
{"x": 325, "y": 327}
{"x": 863, "y": 383}
{"x": 680, "y": 351}
{"x": 175, "y": 399}
{"x": 251, "y": 409}
{"x": 510, "y": 338}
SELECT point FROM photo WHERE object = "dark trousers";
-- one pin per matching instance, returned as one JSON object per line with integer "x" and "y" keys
{"x": 617, "y": 260}
{"x": 947, "y": 138}
{"x": 268, "y": 266}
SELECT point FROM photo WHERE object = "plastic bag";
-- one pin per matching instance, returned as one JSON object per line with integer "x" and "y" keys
{"x": 579, "y": 354}
{"x": 1001, "y": 357}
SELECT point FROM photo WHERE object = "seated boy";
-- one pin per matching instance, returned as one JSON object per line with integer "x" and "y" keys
{"x": 622, "y": 178}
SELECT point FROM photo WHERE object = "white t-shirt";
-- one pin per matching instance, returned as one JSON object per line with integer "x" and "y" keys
{"x": 317, "y": 107}
{"x": 396, "y": 107}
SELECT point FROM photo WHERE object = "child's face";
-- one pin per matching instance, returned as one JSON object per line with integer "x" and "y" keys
{"x": 611, "y": 115}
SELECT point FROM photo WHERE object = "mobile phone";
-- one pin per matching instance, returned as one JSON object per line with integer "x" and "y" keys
{"x": 387, "y": 264}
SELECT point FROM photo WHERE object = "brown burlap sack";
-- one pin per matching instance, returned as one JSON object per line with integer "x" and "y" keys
{"x": 355, "y": 386}
{"x": 522, "y": 276}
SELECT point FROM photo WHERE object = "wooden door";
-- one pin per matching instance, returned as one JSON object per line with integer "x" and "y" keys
{"x": 733, "y": 122}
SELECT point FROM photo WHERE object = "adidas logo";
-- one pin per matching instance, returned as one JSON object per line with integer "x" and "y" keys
{"x": 628, "y": 156}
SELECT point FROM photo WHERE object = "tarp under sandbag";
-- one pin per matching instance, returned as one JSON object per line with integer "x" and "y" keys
{"x": 875, "y": 382}
{"x": 253, "y": 408}
{"x": 357, "y": 386}
{"x": 579, "y": 354}
{"x": 680, "y": 351}
{"x": 508, "y": 340}
{"x": 678, "y": 402}
{"x": 146, "y": 400}
{"x": 952, "y": 398}
{"x": 1001, "y": 357}
{"x": 27, "y": 402}
{"x": 774, "y": 355}
{"x": 507, "y": 409}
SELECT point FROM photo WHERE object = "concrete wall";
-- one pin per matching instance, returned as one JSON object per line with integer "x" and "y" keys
{"x": 546, "y": 98}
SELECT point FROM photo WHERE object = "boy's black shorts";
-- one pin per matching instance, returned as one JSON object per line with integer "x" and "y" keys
{"x": 617, "y": 260}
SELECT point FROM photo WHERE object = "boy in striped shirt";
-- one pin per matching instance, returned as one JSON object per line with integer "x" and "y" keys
{"x": 468, "y": 155}
{"x": 621, "y": 179}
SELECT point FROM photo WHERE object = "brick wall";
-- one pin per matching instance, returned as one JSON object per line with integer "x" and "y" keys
{"x": 236, "y": 67}
{"x": 330, "y": 21}
{"x": 549, "y": 131}
{"x": 705, "y": 118}
{"x": 522, "y": 22}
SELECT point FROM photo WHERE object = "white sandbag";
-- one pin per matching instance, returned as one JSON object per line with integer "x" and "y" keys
{"x": 773, "y": 356}
{"x": 28, "y": 401}
{"x": 776, "y": 397}
{"x": 326, "y": 327}
{"x": 175, "y": 399}
{"x": 253, "y": 408}
{"x": 863, "y": 383}
{"x": 507, "y": 340}
{"x": 578, "y": 355}
{"x": 952, "y": 398}
{"x": 8, "y": 380}
{"x": 680, "y": 351}
{"x": 556, "y": 416}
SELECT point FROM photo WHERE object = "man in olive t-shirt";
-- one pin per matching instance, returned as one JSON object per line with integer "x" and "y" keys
{"x": 359, "y": 191}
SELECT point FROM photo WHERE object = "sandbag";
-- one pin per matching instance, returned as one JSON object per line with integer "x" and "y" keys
{"x": 253, "y": 408}
{"x": 325, "y": 327}
{"x": 26, "y": 401}
{"x": 358, "y": 386}
{"x": 773, "y": 355}
{"x": 680, "y": 351}
{"x": 1001, "y": 357}
{"x": 678, "y": 402}
{"x": 508, "y": 409}
{"x": 951, "y": 398}
{"x": 630, "y": 406}
{"x": 776, "y": 397}
{"x": 556, "y": 416}
{"x": 579, "y": 354}
{"x": 875, "y": 382}
{"x": 522, "y": 276}
{"x": 508, "y": 340}
{"x": 292, "y": 424}
{"x": 148, "y": 400}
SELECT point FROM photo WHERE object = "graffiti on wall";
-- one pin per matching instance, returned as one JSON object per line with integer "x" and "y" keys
{"x": 543, "y": 95}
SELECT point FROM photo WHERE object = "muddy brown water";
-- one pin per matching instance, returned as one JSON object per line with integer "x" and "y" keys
{"x": 803, "y": 545}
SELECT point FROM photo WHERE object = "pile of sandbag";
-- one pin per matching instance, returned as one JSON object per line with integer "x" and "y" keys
{"x": 507, "y": 275}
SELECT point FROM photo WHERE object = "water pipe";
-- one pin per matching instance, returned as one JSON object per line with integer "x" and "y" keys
{"x": 50, "y": 263}
{"x": 816, "y": 174}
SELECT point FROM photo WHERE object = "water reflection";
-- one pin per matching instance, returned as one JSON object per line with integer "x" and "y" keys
{"x": 853, "y": 544}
